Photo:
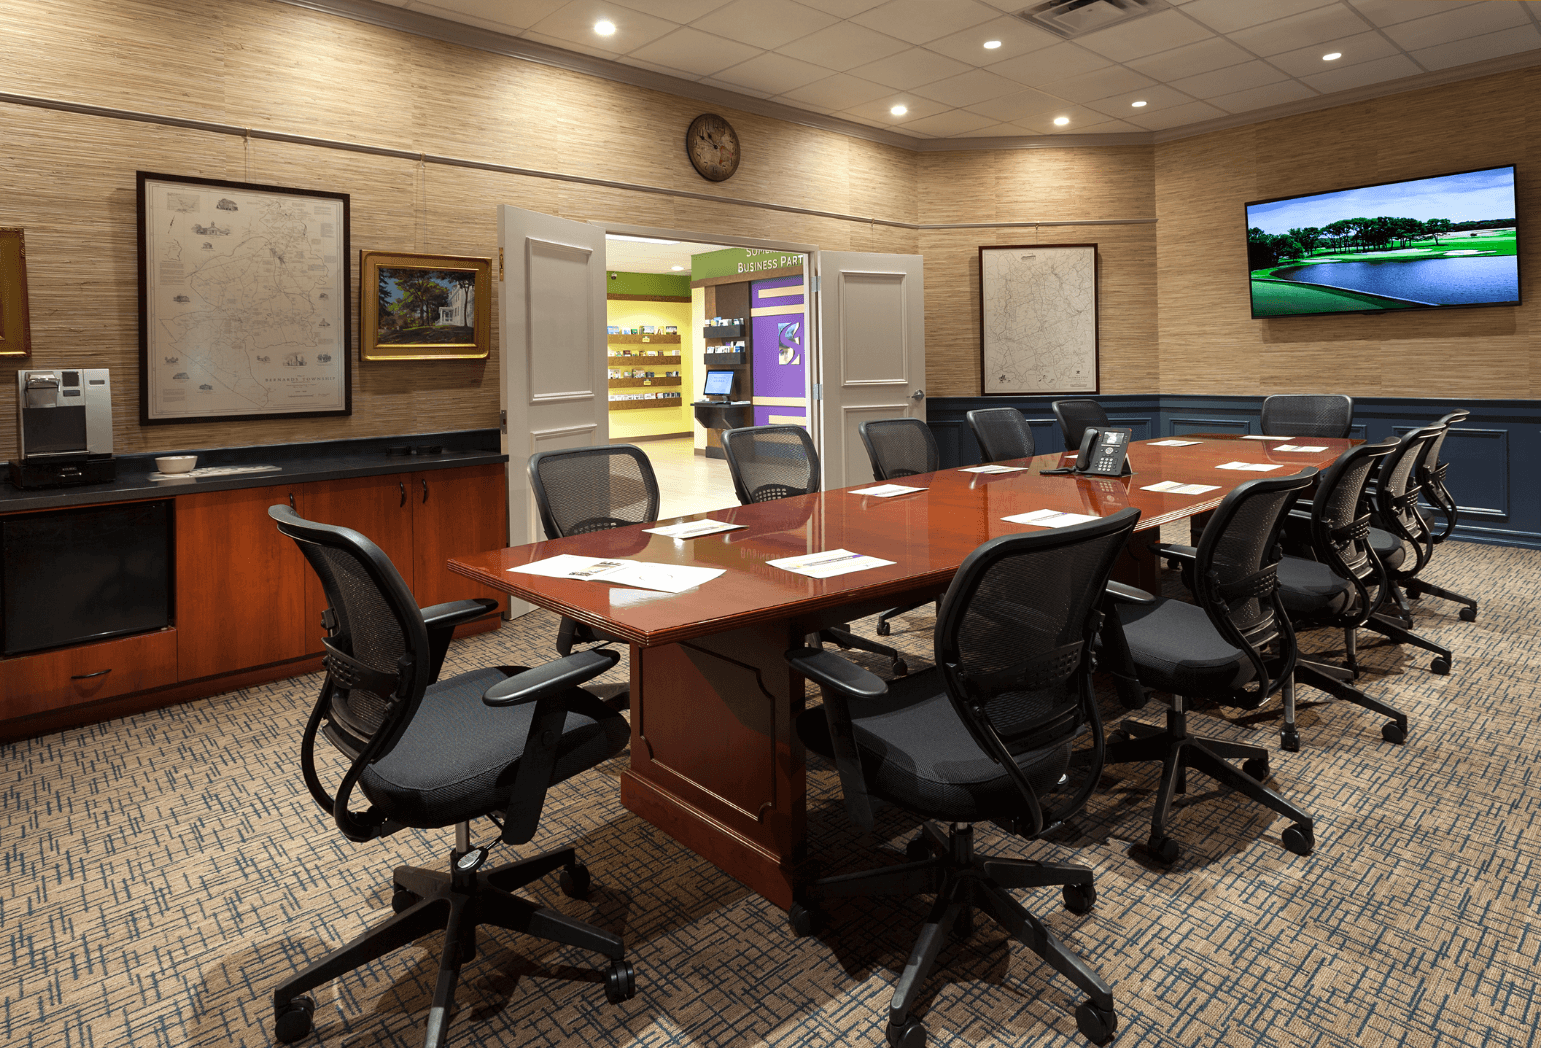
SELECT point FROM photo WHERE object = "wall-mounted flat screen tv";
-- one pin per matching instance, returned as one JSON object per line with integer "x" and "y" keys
{"x": 1427, "y": 243}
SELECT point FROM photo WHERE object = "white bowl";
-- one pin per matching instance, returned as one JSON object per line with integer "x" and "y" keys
{"x": 176, "y": 463}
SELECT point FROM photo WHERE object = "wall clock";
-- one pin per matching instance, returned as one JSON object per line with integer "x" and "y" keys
{"x": 712, "y": 145}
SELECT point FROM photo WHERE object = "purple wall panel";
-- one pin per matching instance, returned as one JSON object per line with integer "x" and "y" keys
{"x": 779, "y": 360}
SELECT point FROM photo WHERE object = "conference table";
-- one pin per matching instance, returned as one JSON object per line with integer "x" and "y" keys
{"x": 715, "y": 758}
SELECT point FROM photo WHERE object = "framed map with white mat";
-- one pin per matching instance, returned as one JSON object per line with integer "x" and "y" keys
{"x": 1038, "y": 319}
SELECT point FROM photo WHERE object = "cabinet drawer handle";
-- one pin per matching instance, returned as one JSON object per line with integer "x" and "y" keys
{"x": 88, "y": 676}
{"x": 403, "y": 486}
{"x": 425, "y": 488}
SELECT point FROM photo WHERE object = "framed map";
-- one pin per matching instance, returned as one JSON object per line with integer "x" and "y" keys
{"x": 243, "y": 301}
{"x": 1038, "y": 319}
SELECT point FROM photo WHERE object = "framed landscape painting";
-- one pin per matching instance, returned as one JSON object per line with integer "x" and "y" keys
{"x": 424, "y": 307}
{"x": 15, "y": 327}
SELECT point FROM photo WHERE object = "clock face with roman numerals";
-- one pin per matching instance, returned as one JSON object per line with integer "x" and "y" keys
{"x": 712, "y": 145}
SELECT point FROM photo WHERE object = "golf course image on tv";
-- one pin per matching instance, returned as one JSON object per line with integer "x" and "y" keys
{"x": 1421, "y": 244}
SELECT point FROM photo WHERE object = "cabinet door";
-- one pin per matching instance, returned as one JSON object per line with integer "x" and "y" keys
{"x": 456, "y": 512}
{"x": 240, "y": 584}
{"x": 379, "y": 508}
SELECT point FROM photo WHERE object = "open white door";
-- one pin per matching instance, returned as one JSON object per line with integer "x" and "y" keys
{"x": 872, "y": 353}
{"x": 552, "y": 308}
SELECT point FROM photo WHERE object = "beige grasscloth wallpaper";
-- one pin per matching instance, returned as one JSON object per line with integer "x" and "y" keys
{"x": 1174, "y": 315}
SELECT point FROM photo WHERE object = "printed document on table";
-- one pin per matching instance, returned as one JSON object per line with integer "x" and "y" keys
{"x": 1050, "y": 518}
{"x": 1257, "y": 436}
{"x": 667, "y": 578}
{"x": 692, "y": 529}
{"x": 992, "y": 469}
{"x": 1172, "y": 487}
{"x": 1300, "y": 447}
{"x": 886, "y": 491}
{"x": 572, "y": 566}
{"x": 828, "y": 564}
{"x": 1172, "y": 443}
{"x": 1250, "y": 467}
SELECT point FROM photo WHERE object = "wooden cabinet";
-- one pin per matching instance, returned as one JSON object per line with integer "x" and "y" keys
{"x": 456, "y": 513}
{"x": 377, "y": 508}
{"x": 87, "y": 673}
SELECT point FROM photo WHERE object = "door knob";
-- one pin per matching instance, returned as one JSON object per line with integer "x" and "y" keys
{"x": 919, "y": 394}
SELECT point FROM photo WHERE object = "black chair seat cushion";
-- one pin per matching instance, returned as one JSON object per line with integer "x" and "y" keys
{"x": 917, "y": 753}
{"x": 1177, "y": 649}
{"x": 1311, "y": 589}
{"x": 1388, "y": 548}
{"x": 459, "y": 757}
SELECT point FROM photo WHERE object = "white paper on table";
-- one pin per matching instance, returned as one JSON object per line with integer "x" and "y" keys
{"x": 572, "y": 566}
{"x": 1257, "y": 436}
{"x": 666, "y": 578}
{"x": 1172, "y": 443}
{"x": 992, "y": 469}
{"x": 692, "y": 529}
{"x": 1251, "y": 467}
{"x": 1300, "y": 447}
{"x": 886, "y": 491}
{"x": 828, "y": 564}
{"x": 1173, "y": 487}
{"x": 1050, "y": 518}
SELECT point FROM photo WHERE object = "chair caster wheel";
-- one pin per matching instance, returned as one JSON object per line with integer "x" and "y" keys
{"x": 901, "y": 668}
{"x": 1468, "y": 614}
{"x": 1440, "y": 665}
{"x": 918, "y": 849}
{"x": 1164, "y": 850}
{"x": 1289, "y": 741}
{"x": 804, "y": 920}
{"x": 293, "y": 1022}
{"x": 574, "y": 881}
{"x": 1391, "y": 731}
{"x": 1299, "y": 839}
{"x": 1257, "y": 767}
{"x": 884, "y": 629}
{"x": 1413, "y": 591}
{"x": 1080, "y": 898}
{"x": 403, "y": 900}
{"x": 1120, "y": 735}
{"x": 1096, "y": 1025}
{"x": 910, "y": 1035}
{"x": 620, "y": 982}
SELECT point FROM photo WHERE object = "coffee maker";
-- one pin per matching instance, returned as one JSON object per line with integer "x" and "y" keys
{"x": 63, "y": 428}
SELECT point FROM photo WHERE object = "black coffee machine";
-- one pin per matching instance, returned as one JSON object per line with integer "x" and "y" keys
{"x": 63, "y": 428}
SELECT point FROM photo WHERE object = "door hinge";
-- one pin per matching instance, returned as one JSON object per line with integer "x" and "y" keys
{"x": 500, "y": 265}
{"x": 502, "y": 422}
{"x": 815, "y": 284}
{"x": 818, "y": 391}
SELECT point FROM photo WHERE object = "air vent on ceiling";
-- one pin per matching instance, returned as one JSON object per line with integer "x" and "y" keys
{"x": 1073, "y": 18}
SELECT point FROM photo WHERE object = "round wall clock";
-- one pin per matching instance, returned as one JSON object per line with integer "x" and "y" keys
{"x": 712, "y": 145}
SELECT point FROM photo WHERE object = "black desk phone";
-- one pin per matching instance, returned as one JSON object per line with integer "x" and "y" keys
{"x": 1104, "y": 453}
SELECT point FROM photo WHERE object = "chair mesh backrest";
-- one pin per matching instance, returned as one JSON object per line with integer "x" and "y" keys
{"x": 1398, "y": 477}
{"x": 1431, "y": 459}
{"x": 1308, "y": 415}
{"x": 899, "y": 447}
{"x": 1238, "y": 543}
{"x": 771, "y": 462}
{"x": 1339, "y": 504}
{"x": 1002, "y": 433}
{"x": 1075, "y": 415}
{"x": 579, "y": 490}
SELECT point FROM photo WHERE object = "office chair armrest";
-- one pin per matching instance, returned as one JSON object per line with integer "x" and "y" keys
{"x": 457, "y": 612}
{"x": 1174, "y": 551}
{"x": 1128, "y": 594}
{"x": 550, "y": 678}
{"x": 828, "y": 670}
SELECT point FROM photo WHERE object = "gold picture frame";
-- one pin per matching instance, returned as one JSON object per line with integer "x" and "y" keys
{"x": 15, "y": 322}
{"x": 424, "y": 307}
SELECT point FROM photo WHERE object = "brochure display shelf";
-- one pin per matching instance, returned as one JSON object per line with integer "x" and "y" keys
{"x": 626, "y": 383}
{"x": 643, "y": 340}
{"x": 672, "y": 400}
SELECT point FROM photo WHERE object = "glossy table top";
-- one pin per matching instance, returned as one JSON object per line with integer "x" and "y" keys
{"x": 927, "y": 534}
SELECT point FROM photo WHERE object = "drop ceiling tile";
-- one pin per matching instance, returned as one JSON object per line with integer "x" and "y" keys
{"x": 1089, "y": 87}
{"x": 765, "y": 24}
{"x": 574, "y": 22}
{"x": 1145, "y": 36}
{"x": 489, "y": 14}
{"x": 966, "y": 89}
{"x": 1214, "y": 53}
{"x": 1003, "y": 130}
{"x": 1362, "y": 47}
{"x": 1262, "y": 97}
{"x": 1392, "y": 67}
{"x": 682, "y": 11}
{"x": 843, "y": 46}
{"x": 1015, "y": 35}
{"x": 843, "y": 8}
{"x": 1177, "y": 116}
{"x": 1011, "y": 107}
{"x": 1307, "y": 29}
{"x": 1225, "y": 81}
{"x": 948, "y": 124}
{"x": 911, "y": 68}
{"x": 569, "y": 45}
{"x": 1227, "y": 16}
{"x": 1156, "y": 98}
{"x": 878, "y": 111}
{"x": 1107, "y": 127}
{"x": 1450, "y": 26}
{"x": 921, "y": 21}
{"x": 695, "y": 52}
{"x": 1044, "y": 68}
{"x": 772, "y": 73}
{"x": 841, "y": 91}
{"x": 723, "y": 85}
{"x": 654, "y": 67}
{"x": 1392, "y": 12}
{"x": 1493, "y": 45}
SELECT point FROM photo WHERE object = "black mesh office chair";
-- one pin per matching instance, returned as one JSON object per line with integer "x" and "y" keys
{"x": 1339, "y": 584}
{"x": 1433, "y": 480}
{"x": 1074, "y": 415}
{"x": 1234, "y": 646}
{"x": 989, "y": 734}
{"x": 1429, "y": 476}
{"x": 1308, "y": 415}
{"x": 776, "y": 462}
{"x": 1002, "y": 433}
{"x": 897, "y": 448}
{"x": 579, "y": 490}
{"x": 430, "y": 753}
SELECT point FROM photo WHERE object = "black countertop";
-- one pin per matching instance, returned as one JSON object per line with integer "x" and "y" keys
{"x": 298, "y": 464}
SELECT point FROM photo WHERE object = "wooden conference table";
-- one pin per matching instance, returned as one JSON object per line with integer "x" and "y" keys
{"x": 715, "y": 759}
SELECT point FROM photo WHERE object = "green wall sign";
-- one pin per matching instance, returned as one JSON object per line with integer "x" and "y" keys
{"x": 735, "y": 261}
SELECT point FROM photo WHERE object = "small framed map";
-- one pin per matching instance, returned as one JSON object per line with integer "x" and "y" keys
{"x": 424, "y": 307}
{"x": 1038, "y": 319}
{"x": 244, "y": 308}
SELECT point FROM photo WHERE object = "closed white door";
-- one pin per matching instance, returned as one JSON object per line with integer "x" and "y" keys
{"x": 872, "y": 353}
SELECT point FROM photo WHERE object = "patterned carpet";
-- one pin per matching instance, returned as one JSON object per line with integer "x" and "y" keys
{"x": 162, "y": 872}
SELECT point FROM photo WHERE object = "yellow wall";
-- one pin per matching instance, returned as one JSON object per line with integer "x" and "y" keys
{"x": 650, "y": 422}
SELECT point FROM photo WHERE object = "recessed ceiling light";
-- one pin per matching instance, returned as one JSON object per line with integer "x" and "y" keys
{"x": 677, "y": 268}
{"x": 991, "y": 45}
{"x": 1138, "y": 105}
{"x": 1061, "y": 121}
{"x": 1332, "y": 57}
{"x": 899, "y": 110}
{"x": 604, "y": 27}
